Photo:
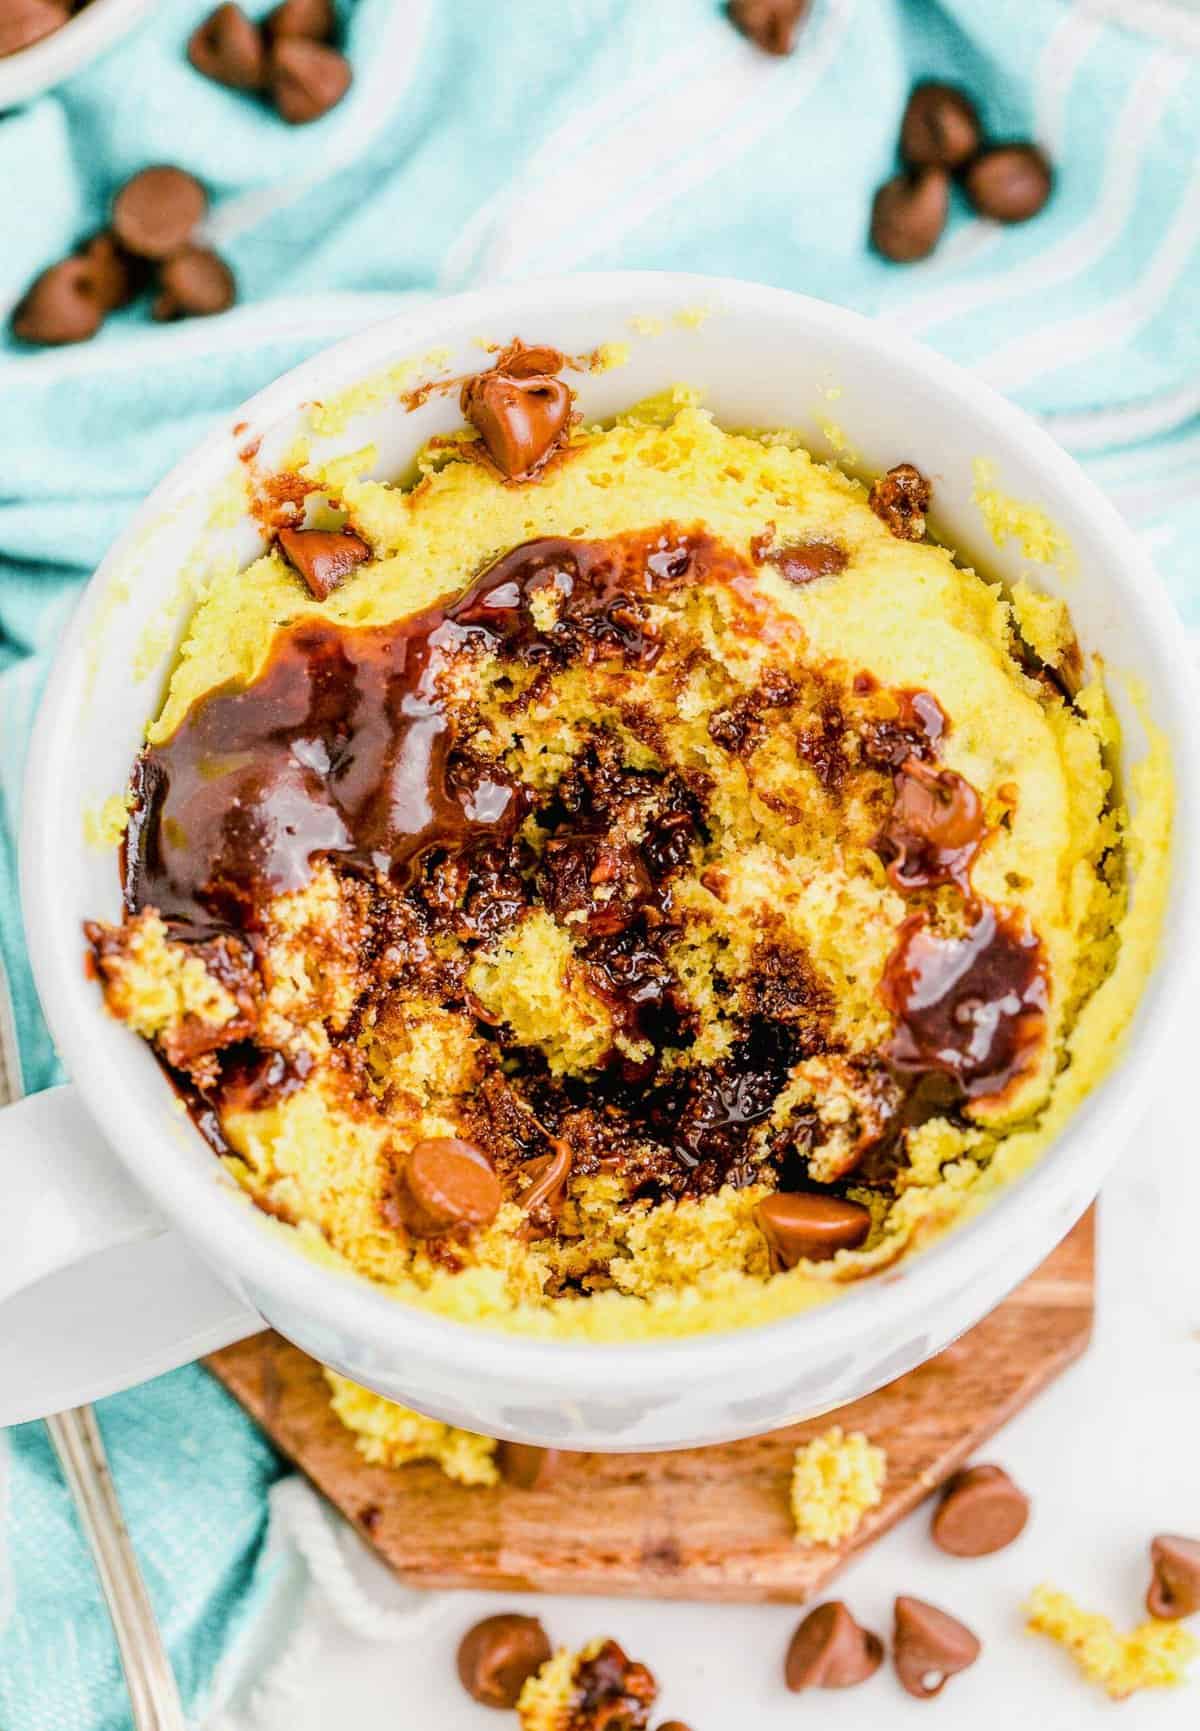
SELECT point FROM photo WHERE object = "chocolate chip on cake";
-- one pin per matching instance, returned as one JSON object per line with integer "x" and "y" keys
{"x": 830, "y": 1650}
{"x": 497, "y": 1656}
{"x": 62, "y": 306}
{"x": 981, "y": 1511}
{"x": 900, "y": 499}
{"x": 799, "y": 1226}
{"x": 24, "y": 22}
{"x": 193, "y": 283}
{"x": 313, "y": 19}
{"x": 1009, "y": 182}
{"x": 526, "y": 1467}
{"x": 909, "y": 214}
{"x": 940, "y": 128}
{"x": 1175, "y": 1589}
{"x": 229, "y": 48}
{"x": 306, "y": 78}
{"x": 770, "y": 24}
{"x": 805, "y": 561}
{"x": 520, "y": 410}
{"x": 441, "y": 1185}
{"x": 155, "y": 213}
{"x": 323, "y": 556}
{"x": 929, "y": 1647}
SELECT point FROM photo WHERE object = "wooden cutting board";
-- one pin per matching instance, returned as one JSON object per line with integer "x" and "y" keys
{"x": 698, "y": 1524}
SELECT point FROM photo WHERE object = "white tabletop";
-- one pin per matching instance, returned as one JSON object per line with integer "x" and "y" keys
{"x": 1110, "y": 1455}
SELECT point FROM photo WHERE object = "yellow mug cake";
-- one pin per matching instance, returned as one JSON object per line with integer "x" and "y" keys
{"x": 629, "y": 881}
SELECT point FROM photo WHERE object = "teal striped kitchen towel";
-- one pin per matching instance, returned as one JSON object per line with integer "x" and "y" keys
{"x": 483, "y": 142}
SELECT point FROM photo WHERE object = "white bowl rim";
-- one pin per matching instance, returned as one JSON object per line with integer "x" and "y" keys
{"x": 83, "y": 38}
{"x": 233, "y": 1237}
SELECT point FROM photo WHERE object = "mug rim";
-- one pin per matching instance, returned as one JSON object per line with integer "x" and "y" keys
{"x": 233, "y": 1237}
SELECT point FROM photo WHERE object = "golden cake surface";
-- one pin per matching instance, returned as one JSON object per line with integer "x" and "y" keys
{"x": 635, "y": 900}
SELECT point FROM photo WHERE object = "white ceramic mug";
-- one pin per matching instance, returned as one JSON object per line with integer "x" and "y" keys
{"x": 123, "y": 1249}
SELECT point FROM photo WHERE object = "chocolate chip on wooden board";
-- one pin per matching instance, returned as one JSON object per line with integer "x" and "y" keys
{"x": 940, "y": 128}
{"x": 230, "y": 49}
{"x": 830, "y": 1650}
{"x": 981, "y": 1511}
{"x": 900, "y": 500}
{"x": 155, "y": 213}
{"x": 498, "y": 1656}
{"x": 24, "y": 22}
{"x": 1009, "y": 182}
{"x": 441, "y": 1185}
{"x": 770, "y": 24}
{"x": 520, "y": 410}
{"x": 800, "y": 1226}
{"x": 62, "y": 306}
{"x": 525, "y": 1466}
{"x": 194, "y": 283}
{"x": 1175, "y": 1588}
{"x": 929, "y": 1647}
{"x": 306, "y": 78}
{"x": 909, "y": 214}
{"x": 323, "y": 556}
{"x": 314, "y": 19}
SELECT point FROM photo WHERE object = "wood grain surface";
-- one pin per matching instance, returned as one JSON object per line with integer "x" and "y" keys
{"x": 698, "y": 1524}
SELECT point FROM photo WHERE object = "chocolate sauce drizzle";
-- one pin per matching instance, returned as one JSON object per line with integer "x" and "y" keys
{"x": 345, "y": 748}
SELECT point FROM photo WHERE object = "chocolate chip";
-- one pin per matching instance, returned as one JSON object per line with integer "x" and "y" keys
{"x": 311, "y": 18}
{"x": 306, "y": 79}
{"x": 521, "y": 415}
{"x": 24, "y": 22}
{"x": 62, "y": 306}
{"x": 900, "y": 499}
{"x": 770, "y": 24}
{"x": 155, "y": 212}
{"x": 929, "y": 1646}
{"x": 229, "y": 49}
{"x": 116, "y": 277}
{"x": 934, "y": 830}
{"x": 323, "y": 556}
{"x": 526, "y": 1467}
{"x": 909, "y": 214}
{"x": 802, "y": 1225}
{"x": 940, "y": 128}
{"x": 804, "y": 561}
{"x": 497, "y": 1657}
{"x": 830, "y": 1650}
{"x": 1175, "y": 1589}
{"x": 194, "y": 283}
{"x": 442, "y": 1184}
{"x": 1009, "y": 182}
{"x": 981, "y": 1511}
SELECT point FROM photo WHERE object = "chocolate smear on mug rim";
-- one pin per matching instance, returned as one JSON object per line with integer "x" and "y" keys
{"x": 343, "y": 749}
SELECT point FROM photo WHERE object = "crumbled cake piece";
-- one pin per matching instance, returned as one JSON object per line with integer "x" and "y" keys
{"x": 1155, "y": 1655}
{"x": 599, "y": 1688}
{"x": 836, "y": 1478}
{"x": 390, "y": 1435}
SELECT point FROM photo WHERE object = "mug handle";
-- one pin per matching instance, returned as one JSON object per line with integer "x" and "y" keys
{"x": 96, "y": 1291}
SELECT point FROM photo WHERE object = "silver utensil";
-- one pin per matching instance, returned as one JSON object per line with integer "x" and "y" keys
{"x": 153, "y": 1695}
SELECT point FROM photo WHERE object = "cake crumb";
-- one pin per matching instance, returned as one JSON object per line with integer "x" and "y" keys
{"x": 836, "y": 1478}
{"x": 390, "y": 1435}
{"x": 1010, "y": 519}
{"x": 1155, "y": 1655}
{"x": 597, "y": 1686}
{"x": 104, "y": 825}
